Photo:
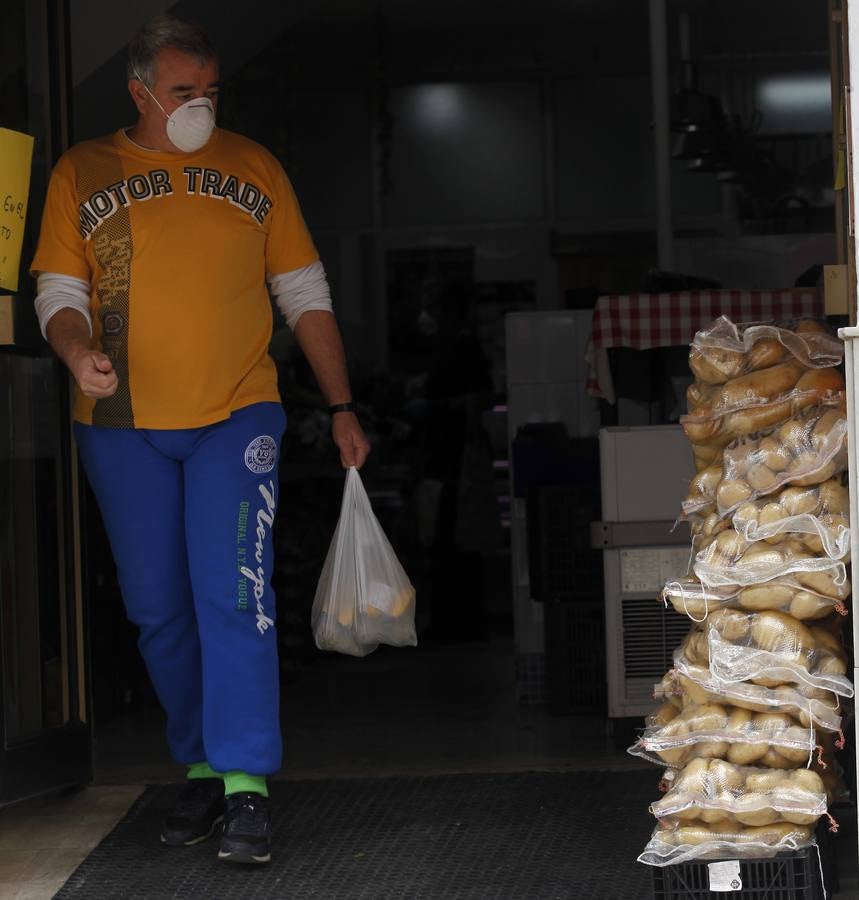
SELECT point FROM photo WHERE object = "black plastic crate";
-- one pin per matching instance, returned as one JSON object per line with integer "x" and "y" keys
{"x": 787, "y": 876}
{"x": 575, "y": 657}
{"x": 562, "y": 565}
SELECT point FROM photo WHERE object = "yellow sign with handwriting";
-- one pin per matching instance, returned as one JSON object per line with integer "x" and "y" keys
{"x": 16, "y": 156}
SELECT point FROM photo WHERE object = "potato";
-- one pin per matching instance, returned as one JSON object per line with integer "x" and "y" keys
{"x": 824, "y": 583}
{"x": 716, "y": 361}
{"x": 772, "y": 454}
{"x": 761, "y": 478}
{"x": 799, "y": 818}
{"x": 709, "y": 717}
{"x": 731, "y": 492}
{"x": 693, "y": 691}
{"x": 748, "y": 512}
{"x": 724, "y": 777}
{"x": 772, "y": 759}
{"x": 710, "y": 816}
{"x": 705, "y": 482}
{"x": 727, "y": 547}
{"x": 712, "y": 525}
{"x": 808, "y": 779}
{"x": 766, "y": 782}
{"x": 673, "y": 756}
{"x": 817, "y": 473}
{"x": 771, "y": 513}
{"x": 766, "y": 596}
{"x": 763, "y": 555}
{"x": 751, "y": 809}
{"x": 696, "y": 648}
{"x": 834, "y": 497}
{"x": 764, "y": 353}
{"x": 688, "y": 814}
{"x": 779, "y": 633}
{"x": 796, "y": 755}
{"x": 770, "y": 722}
{"x": 828, "y": 425}
{"x": 705, "y": 456}
{"x": 813, "y": 544}
{"x": 799, "y": 501}
{"x": 765, "y": 384}
{"x": 710, "y": 749}
{"x": 731, "y": 624}
{"x": 701, "y": 427}
{"x": 806, "y": 605}
{"x": 794, "y": 435}
{"x": 663, "y": 715}
{"x": 756, "y": 418}
{"x": 829, "y": 665}
{"x": 742, "y": 754}
{"x": 816, "y": 384}
{"x": 693, "y": 778}
{"x": 739, "y": 720}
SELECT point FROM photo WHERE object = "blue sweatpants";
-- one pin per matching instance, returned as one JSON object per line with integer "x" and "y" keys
{"x": 189, "y": 515}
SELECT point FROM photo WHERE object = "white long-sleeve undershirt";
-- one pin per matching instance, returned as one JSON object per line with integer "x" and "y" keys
{"x": 294, "y": 293}
{"x": 56, "y": 292}
{"x": 301, "y": 290}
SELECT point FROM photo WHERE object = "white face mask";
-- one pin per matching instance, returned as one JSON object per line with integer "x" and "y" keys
{"x": 190, "y": 125}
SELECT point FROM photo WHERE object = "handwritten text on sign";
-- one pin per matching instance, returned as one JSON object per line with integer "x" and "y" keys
{"x": 16, "y": 154}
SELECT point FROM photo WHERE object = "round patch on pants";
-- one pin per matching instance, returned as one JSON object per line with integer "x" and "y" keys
{"x": 261, "y": 454}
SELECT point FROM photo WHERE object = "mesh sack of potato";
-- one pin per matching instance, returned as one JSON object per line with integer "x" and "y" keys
{"x": 773, "y": 648}
{"x": 728, "y": 560}
{"x": 726, "y": 350}
{"x": 674, "y": 736}
{"x": 808, "y": 449}
{"x": 675, "y": 841}
{"x": 691, "y": 598}
{"x": 692, "y": 682}
{"x": 712, "y": 790}
{"x": 817, "y": 515}
{"x": 720, "y": 413}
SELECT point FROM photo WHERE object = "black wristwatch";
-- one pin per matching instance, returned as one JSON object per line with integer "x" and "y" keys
{"x": 341, "y": 407}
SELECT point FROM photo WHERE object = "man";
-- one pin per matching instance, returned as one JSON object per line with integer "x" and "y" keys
{"x": 155, "y": 248}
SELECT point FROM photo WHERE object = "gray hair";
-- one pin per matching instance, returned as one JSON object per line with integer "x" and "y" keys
{"x": 160, "y": 33}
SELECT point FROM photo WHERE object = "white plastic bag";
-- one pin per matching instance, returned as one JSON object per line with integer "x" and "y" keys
{"x": 364, "y": 598}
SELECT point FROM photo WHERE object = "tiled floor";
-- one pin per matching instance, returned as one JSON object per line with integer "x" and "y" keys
{"x": 43, "y": 841}
{"x": 426, "y": 710}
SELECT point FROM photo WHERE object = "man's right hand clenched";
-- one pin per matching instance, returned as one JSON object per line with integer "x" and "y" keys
{"x": 95, "y": 374}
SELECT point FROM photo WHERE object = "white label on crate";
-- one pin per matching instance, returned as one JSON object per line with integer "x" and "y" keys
{"x": 639, "y": 571}
{"x": 646, "y": 570}
{"x": 725, "y": 876}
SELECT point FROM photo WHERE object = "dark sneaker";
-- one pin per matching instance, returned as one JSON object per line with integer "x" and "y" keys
{"x": 247, "y": 829}
{"x": 195, "y": 815}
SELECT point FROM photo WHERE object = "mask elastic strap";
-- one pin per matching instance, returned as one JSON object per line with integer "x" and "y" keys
{"x": 137, "y": 76}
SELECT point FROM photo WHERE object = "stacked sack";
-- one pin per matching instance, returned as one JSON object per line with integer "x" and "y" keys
{"x": 752, "y": 707}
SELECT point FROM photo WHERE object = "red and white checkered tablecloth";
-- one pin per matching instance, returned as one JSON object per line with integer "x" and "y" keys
{"x": 645, "y": 321}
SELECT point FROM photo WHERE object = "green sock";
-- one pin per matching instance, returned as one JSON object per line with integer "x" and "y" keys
{"x": 241, "y": 782}
{"x": 202, "y": 770}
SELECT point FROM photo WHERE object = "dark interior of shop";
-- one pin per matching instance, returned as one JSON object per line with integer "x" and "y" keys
{"x": 476, "y": 178}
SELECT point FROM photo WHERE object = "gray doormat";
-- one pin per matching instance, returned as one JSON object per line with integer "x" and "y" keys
{"x": 534, "y": 836}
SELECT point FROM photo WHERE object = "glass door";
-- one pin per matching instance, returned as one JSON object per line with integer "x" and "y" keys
{"x": 45, "y": 737}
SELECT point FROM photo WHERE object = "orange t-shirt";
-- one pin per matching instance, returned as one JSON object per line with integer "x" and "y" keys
{"x": 176, "y": 247}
